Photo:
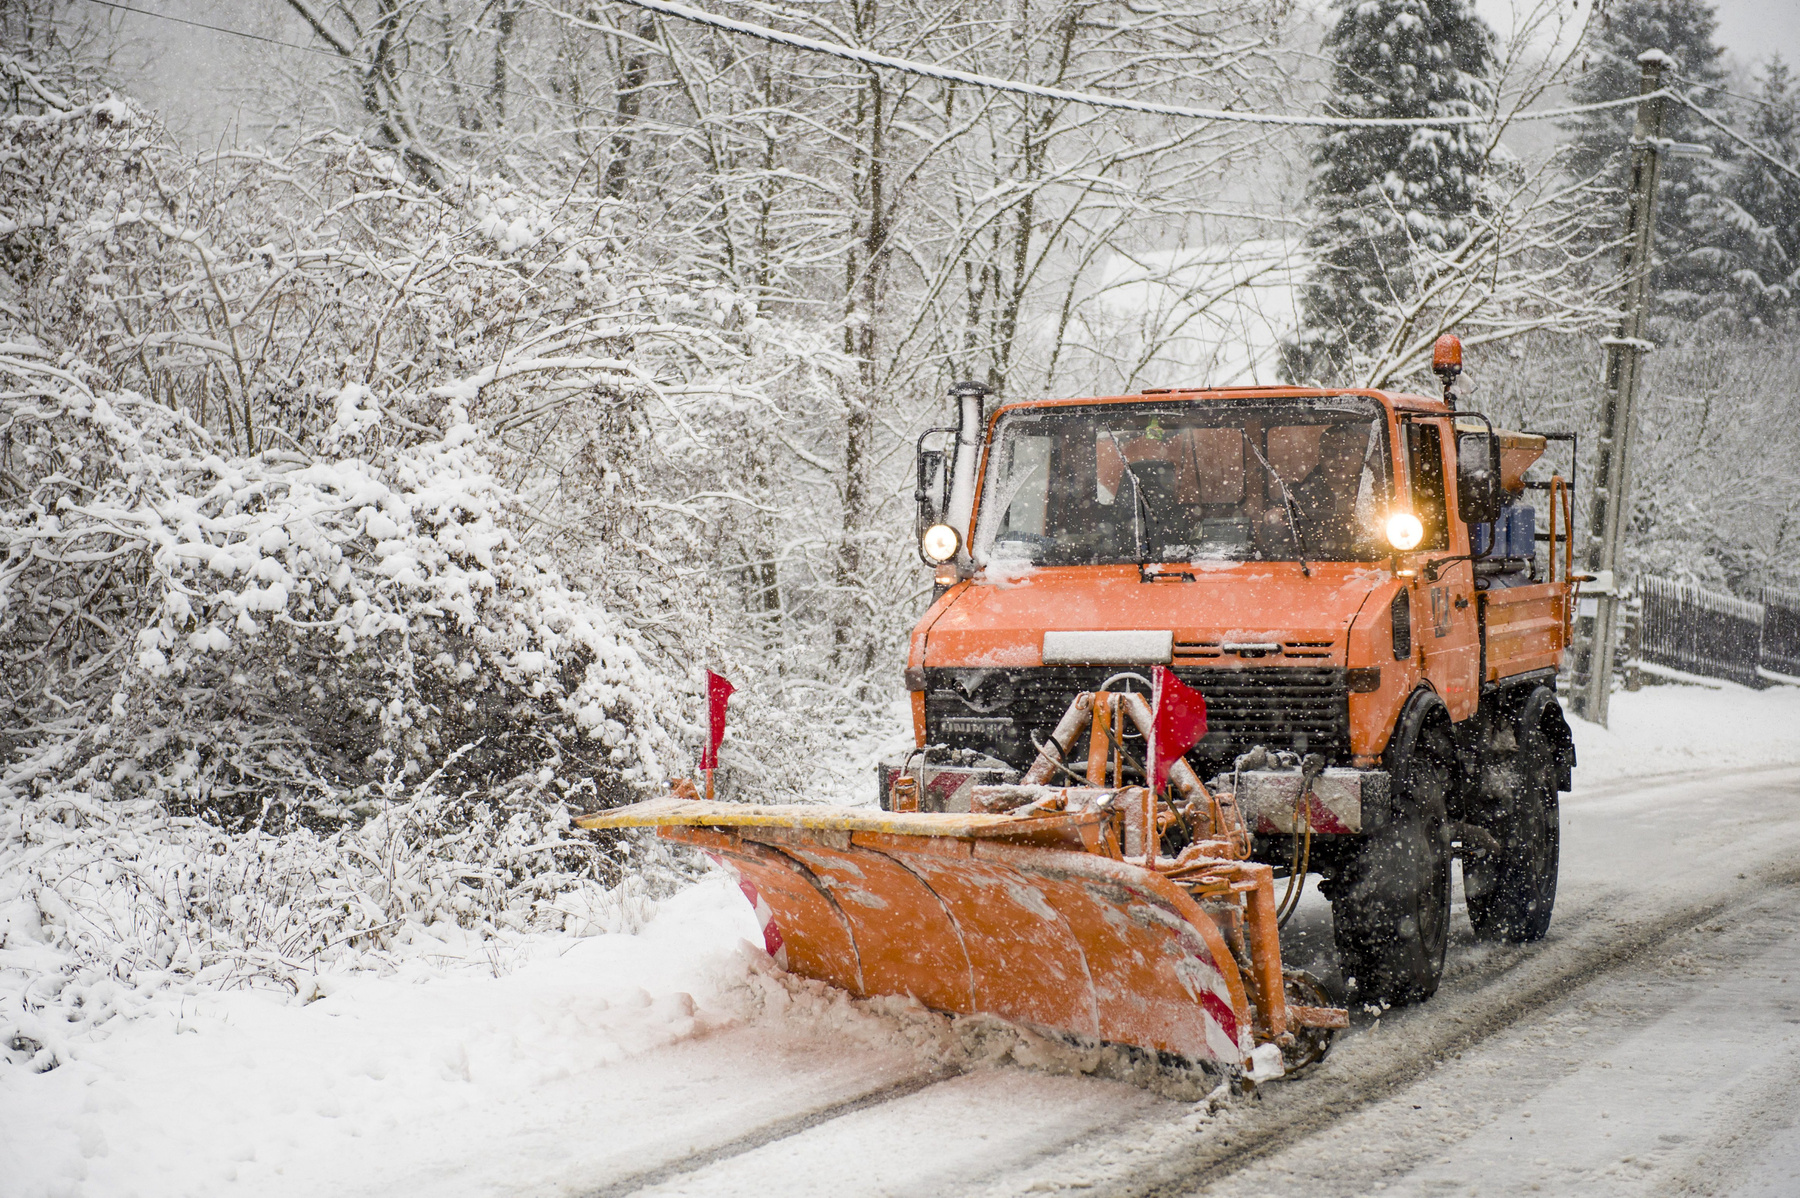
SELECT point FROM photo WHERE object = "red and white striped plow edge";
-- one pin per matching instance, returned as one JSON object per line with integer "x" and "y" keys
{"x": 771, "y": 931}
{"x": 1228, "y": 1037}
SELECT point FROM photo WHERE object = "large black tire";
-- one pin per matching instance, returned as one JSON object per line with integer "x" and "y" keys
{"x": 1511, "y": 884}
{"x": 1390, "y": 905}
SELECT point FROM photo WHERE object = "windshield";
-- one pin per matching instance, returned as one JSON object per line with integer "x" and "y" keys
{"x": 1163, "y": 482}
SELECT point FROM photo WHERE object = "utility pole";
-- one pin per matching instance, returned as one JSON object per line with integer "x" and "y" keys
{"x": 1625, "y": 349}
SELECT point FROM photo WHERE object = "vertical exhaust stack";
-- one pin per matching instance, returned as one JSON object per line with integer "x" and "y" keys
{"x": 969, "y": 397}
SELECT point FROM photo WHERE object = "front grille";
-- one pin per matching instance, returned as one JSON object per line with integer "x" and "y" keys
{"x": 1000, "y": 711}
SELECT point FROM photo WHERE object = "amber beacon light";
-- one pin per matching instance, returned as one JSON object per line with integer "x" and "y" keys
{"x": 1446, "y": 363}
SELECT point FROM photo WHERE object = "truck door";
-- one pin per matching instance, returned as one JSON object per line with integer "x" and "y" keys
{"x": 1445, "y": 632}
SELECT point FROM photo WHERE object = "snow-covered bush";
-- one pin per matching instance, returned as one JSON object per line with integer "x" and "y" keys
{"x": 281, "y": 634}
{"x": 317, "y": 318}
{"x": 280, "y": 452}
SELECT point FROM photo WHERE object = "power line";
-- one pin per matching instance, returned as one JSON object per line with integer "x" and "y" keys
{"x": 929, "y": 70}
{"x": 1734, "y": 135}
{"x": 1695, "y": 107}
{"x": 1702, "y": 85}
{"x": 952, "y": 75}
{"x": 1689, "y": 80}
{"x": 254, "y": 37}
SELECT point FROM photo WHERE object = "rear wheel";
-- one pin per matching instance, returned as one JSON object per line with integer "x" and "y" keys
{"x": 1511, "y": 885}
{"x": 1390, "y": 906}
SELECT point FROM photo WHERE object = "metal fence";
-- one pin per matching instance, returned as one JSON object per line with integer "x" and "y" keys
{"x": 1781, "y": 631}
{"x": 1721, "y": 636}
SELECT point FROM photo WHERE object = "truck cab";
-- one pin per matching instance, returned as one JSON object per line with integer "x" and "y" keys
{"x": 1352, "y": 578}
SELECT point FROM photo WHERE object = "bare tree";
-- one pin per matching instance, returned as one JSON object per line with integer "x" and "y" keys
{"x": 376, "y": 44}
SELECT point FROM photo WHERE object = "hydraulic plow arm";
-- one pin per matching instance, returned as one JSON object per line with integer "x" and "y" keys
{"x": 1030, "y": 909}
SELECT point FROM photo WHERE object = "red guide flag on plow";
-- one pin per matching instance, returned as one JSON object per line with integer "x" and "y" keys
{"x": 717, "y": 692}
{"x": 1180, "y": 722}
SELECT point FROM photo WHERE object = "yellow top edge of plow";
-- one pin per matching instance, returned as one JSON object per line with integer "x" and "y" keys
{"x": 655, "y": 813}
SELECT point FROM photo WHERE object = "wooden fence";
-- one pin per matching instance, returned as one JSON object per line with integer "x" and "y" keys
{"x": 1718, "y": 635}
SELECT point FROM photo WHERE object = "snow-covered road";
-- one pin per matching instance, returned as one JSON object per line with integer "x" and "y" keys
{"x": 1645, "y": 1047}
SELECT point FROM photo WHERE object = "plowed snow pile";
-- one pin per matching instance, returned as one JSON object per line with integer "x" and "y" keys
{"x": 461, "y": 1065}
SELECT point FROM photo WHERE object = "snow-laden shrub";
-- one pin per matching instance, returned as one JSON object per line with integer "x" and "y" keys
{"x": 279, "y": 633}
{"x": 647, "y": 426}
{"x": 653, "y": 426}
{"x": 266, "y": 541}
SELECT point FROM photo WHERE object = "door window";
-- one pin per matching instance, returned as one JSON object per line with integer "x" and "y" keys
{"x": 1425, "y": 473}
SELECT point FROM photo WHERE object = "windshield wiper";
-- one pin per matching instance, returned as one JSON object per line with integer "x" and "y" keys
{"x": 1287, "y": 504}
{"x": 1140, "y": 541}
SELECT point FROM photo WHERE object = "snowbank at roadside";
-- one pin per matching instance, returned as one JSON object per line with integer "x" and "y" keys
{"x": 1672, "y": 729}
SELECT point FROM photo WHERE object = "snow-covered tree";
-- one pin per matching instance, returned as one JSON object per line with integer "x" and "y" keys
{"x": 1760, "y": 208}
{"x": 931, "y": 231}
{"x": 1382, "y": 194}
{"x": 1690, "y": 278}
{"x": 1044, "y": 195}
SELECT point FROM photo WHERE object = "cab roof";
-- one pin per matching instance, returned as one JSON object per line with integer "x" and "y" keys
{"x": 1390, "y": 399}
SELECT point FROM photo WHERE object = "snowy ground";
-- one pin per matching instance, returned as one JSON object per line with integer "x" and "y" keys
{"x": 1647, "y": 1047}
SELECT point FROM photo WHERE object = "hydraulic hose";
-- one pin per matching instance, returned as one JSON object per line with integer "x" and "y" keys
{"x": 1300, "y": 849}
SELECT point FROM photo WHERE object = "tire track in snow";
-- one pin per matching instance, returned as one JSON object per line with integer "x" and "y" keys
{"x": 1613, "y": 1089}
{"x": 769, "y": 1133}
{"x": 1419, "y": 1040}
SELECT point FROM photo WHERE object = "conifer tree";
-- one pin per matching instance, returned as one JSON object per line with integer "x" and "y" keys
{"x": 1762, "y": 203}
{"x": 1690, "y": 280}
{"x": 1379, "y": 193}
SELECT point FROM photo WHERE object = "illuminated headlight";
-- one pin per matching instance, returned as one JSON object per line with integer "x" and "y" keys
{"x": 1404, "y": 530}
{"x": 940, "y": 543}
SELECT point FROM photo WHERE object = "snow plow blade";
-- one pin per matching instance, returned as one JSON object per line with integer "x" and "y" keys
{"x": 1026, "y": 917}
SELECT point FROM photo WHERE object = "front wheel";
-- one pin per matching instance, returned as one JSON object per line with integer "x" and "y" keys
{"x": 1390, "y": 906}
{"x": 1511, "y": 886}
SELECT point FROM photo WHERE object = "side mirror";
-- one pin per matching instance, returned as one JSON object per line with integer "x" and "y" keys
{"x": 932, "y": 494}
{"x": 1477, "y": 477}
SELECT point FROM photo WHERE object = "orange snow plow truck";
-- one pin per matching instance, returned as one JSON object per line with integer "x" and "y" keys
{"x": 1357, "y": 584}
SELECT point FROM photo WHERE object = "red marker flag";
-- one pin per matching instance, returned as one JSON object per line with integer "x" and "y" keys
{"x": 717, "y": 692}
{"x": 1180, "y": 722}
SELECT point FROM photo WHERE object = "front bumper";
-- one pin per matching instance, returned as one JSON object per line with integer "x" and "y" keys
{"x": 1340, "y": 802}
